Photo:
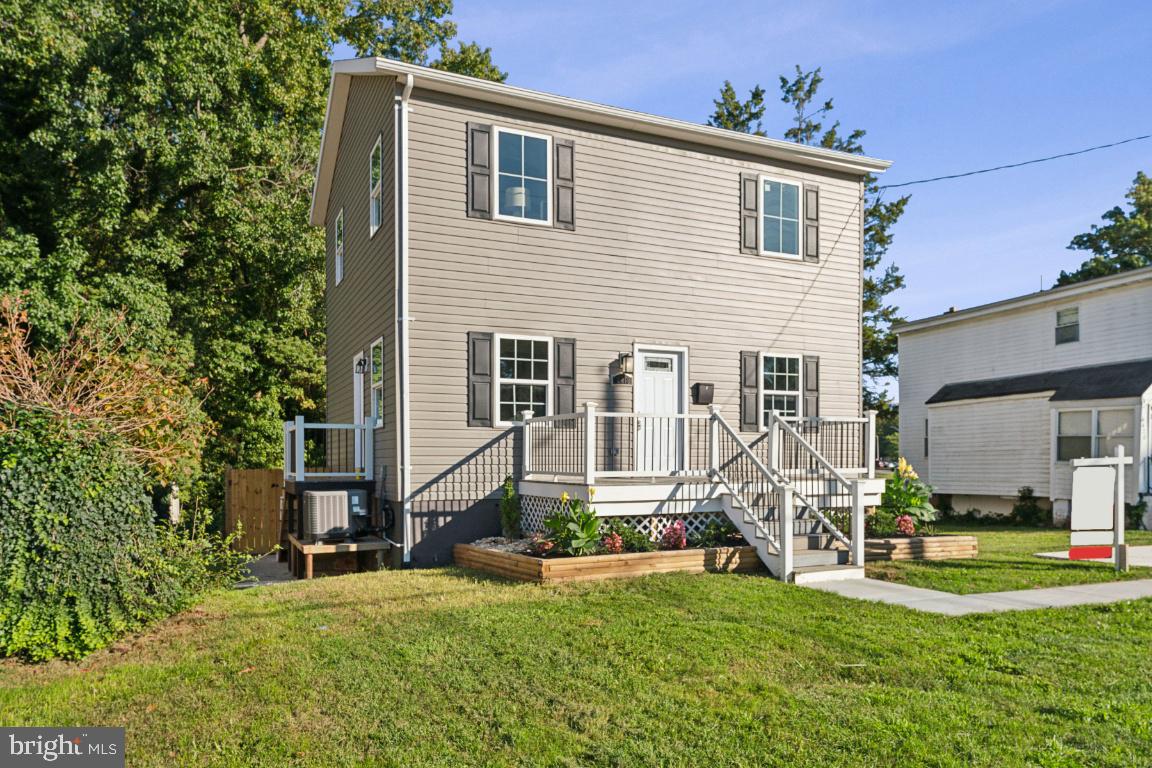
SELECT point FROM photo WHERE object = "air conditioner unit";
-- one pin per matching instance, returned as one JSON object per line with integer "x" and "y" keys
{"x": 334, "y": 514}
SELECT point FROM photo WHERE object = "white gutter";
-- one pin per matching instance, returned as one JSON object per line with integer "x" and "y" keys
{"x": 403, "y": 318}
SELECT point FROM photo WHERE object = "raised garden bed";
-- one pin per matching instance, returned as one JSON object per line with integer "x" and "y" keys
{"x": 513, "y": 565}
{"x": 921, "y": 548}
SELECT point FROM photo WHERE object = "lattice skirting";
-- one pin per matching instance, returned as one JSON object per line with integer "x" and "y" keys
{"x": 533, "y": 510}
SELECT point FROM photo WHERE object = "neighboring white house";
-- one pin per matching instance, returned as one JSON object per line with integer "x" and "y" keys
{"x": 1004, "y": 395}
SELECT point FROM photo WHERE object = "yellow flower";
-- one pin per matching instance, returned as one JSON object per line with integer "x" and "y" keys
{"x": 904, "y": 470}
{"x": 591, "y": 492}
{"x": 564, "y": 497}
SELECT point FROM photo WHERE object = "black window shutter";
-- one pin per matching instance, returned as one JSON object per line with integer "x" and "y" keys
{"x": 749, "y": 391}
{"x": 749, "y": 213}
{"x": 565, "y": 183}
{"x": 479, "y": 379}
{"x": 565, "y": 377}
{"x": 811, "y": 223}
{"x": 811, "y": 386}
{"x": 479, "y": 171}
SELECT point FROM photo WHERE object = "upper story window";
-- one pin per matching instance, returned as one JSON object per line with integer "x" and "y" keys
{"x": 375, "y": 187}
{"x": 1094, "y": 433}
{"x": 780, "y": 215}
{"x": 376, "y": 366}
{"x": 523, "y": 376}
{"x": 1067, "y": 325}
{"x": 780, "y": 386}
{"x": 523, "y": 177}
{"x": 339, "y": 247}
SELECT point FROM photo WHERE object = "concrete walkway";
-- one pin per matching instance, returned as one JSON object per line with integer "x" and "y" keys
{"x": 934, "y": 601}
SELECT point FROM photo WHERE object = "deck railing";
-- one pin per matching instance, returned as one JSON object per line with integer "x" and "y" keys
{"x": 316, "y": 451}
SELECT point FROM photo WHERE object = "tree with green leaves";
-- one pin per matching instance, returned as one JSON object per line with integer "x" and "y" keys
{"x": 880, "y": 216}
{"x": 1121, "y": 244}
{"x": 156, "y": 159}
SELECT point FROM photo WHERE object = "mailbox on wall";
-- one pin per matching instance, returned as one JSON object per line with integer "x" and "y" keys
{"x": 702, "y": 393}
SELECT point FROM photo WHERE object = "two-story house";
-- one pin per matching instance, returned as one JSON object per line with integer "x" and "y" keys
{"x": 582, "y": 296}
{"x": 1005, "y": 395}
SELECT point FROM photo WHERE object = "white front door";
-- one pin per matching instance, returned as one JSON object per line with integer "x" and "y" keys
{"x": 659, "y": 395}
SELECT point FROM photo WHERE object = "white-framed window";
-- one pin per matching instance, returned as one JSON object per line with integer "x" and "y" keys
{"x": 523, "y": 176}
{"x": 375, "y": 187}
{"x": 780, "y": 386}
{"x": 376, "y": 381}
{"x": 523, "y": 377}
{"x": 1067, "y": 325}
{"x": 1093, "y": 433}
{"x": 780, "y": 218}
{"x": 338, "y": 248}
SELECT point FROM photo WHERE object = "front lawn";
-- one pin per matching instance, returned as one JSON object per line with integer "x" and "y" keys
{"x": 1007, "y": 561}
{"x": 444, "y": 667}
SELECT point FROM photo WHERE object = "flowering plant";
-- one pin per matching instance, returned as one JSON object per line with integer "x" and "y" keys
{"x": 612, "y": 543}
{"x": 675, "y": 536}
{"x": 574, "y": 526}
{"x": 906, "y": 525}
{"x": 905, "y": 504}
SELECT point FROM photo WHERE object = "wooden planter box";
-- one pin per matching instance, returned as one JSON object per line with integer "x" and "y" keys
{"x": 921, "y": 548}
{"x": 554, "y": 569}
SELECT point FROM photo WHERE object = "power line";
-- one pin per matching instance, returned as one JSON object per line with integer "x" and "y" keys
{"x": 1016, "y": 165}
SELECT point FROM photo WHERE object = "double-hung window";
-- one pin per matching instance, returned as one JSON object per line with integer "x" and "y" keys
{"x": 375, "y": 187}
{"x": 339, "y": 247}
{"x": 1067, "y": 325}
{"x": 780, "y": 218}
{"x": 524, "y": 376}
{"x": 524, "y": 175}
{"x": 376, "y": 368}
{"x": 780, "y": 386}
{"x": 1094, "y": 433}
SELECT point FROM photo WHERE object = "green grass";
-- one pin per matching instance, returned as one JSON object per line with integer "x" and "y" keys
{"x": 1007, "y": 561}
{"x": 424, "y": 668}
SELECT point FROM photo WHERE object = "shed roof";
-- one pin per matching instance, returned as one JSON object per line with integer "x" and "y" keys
{"x": 1091, "y": 382}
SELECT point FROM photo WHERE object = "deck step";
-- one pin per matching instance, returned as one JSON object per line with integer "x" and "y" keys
{"x": 816, "y": 541}
{"x": 804, "y": 558}
{"x": 816, "y": 573}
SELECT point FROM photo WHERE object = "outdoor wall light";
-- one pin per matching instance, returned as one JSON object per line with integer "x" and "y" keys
{"x": 361, "y": 366}
{"x": 620, "y": 369}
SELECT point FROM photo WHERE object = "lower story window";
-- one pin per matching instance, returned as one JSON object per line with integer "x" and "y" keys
{"x": 524, "y": 376}
{"x": 780, "y": 385}
{"x": 1094, "y": 433}
{"x": 376, "y": 363}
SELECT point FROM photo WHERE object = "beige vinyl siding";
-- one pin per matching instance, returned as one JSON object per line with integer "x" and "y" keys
{"x": 361, "y": 308}
{"x": 1013, "y": 342}
{"x": 991, "y": 447}
{"x": 654, "y": 258}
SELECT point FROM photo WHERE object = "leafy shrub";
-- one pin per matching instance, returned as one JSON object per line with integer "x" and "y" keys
{"x": 1135, "y": 515}
{"x": 632, "y": 539}
{"x": 1027, "y": 510}
{"x": 905, "y": 495}
{"x": 718, "y": 533}
{"x": 674, "y": 536}
{"x": 81, "y": 559}
{"x": 574, "y": 527}
{"x": 509, "y": 509}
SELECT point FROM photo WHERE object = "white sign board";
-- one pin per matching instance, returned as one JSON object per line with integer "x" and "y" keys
{"x": 1093, "y": 498}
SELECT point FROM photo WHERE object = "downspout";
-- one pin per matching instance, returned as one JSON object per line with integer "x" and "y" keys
{"x": 403, "y": 318}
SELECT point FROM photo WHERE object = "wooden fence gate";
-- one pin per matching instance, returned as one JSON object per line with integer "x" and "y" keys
{"x": 252, "y": 501}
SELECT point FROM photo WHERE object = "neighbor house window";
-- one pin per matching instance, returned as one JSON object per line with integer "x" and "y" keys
{"x": 375, "y": 186}
{"x": 523, "y": 176}
{"x": 523, "y": 376}
{"x": 1092, "y": 434}
{"x": 339, "y": 249}
{"x": 1067, "y": 325}
{"x": 376, "y": 368}
{"x": 781, "y": 217}
{"x": 925, "y": 438}
{"x": 780, "y": 385}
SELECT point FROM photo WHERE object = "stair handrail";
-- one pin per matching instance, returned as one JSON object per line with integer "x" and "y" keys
{"x": 719, "y": 476}
{"x": 851, "y": 486}
{"x": 778, "y": 484}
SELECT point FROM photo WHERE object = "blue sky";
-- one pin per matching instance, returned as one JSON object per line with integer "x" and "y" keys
{"x": 940, "y": 88}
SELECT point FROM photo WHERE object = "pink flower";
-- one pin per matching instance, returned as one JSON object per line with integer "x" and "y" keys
{"x": 675, "y": 536}
{"x": 612, "y": 544}
{"x": 906, "y": 525}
